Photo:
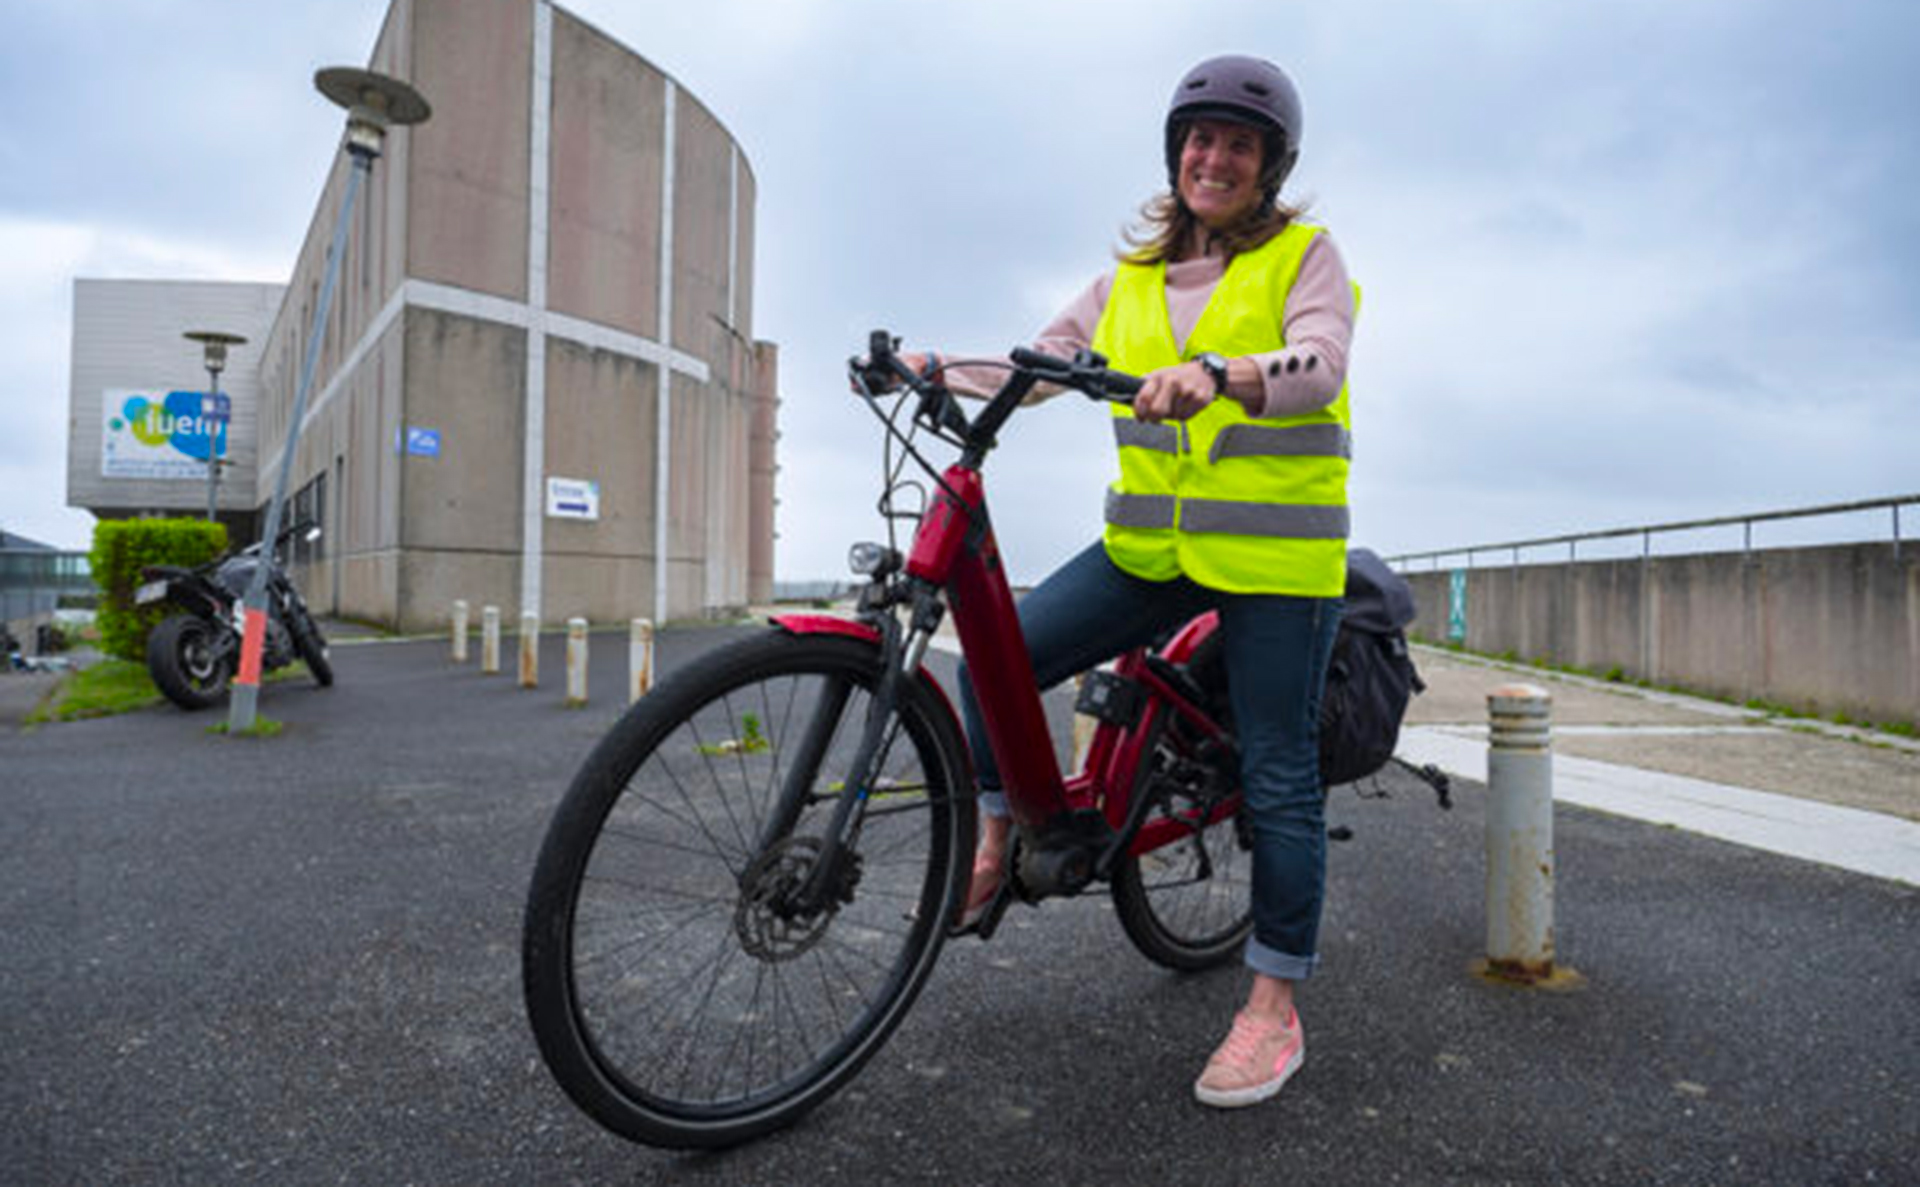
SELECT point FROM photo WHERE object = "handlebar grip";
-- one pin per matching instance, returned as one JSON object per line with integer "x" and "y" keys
{"x": 1034, "y": 360}
{"x": 1090, "y": 376}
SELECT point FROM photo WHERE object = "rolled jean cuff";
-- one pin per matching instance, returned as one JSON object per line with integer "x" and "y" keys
{"x": 994, "y": 803}
{"x": 1275, "y": 963}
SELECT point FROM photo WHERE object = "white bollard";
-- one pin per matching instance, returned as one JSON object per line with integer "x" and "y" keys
{"x": 576, "y": 662}
{"x": 529, "y": 651}
{"x": 460, "y": 631}
{"x": 1083, "y": 726}
{"x": 639, "y": 659}
{"x": 490, "y": 640}
{"x": 1520, "y": 834}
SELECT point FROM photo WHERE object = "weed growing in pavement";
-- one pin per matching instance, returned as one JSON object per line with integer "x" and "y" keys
{"x": 104, "y": 689}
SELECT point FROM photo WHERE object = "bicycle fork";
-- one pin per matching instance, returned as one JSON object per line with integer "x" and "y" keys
{"x": 835, "y": 871}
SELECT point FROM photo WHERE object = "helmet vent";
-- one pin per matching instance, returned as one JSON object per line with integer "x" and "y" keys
{"x": 1197, "y": 84}
{"x": 1258, "y": 88}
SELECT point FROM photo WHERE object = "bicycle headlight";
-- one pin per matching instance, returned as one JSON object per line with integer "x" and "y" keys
{"x": 872, "y": 560}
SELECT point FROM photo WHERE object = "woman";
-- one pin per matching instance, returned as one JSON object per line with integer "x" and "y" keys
{"x": 1236, "y": 504}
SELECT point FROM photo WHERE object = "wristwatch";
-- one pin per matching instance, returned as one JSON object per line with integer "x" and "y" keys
{"x": 1216, "y": 367}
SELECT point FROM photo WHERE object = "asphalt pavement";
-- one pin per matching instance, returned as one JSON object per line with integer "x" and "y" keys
{"x": 295, "y": 960}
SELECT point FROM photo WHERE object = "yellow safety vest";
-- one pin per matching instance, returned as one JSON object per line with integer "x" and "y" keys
{"x": 1234, "y": 502}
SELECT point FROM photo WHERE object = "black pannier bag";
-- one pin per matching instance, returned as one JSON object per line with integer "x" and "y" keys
{"x": 1370, "y": 677}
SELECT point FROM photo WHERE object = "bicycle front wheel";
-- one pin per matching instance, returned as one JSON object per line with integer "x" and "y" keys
{"x": 676, "y": 993}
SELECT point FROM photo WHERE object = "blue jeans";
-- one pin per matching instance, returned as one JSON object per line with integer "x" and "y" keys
{"x": 1276, "y": 649}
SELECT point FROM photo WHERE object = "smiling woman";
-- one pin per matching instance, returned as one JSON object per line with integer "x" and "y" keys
{"x": 1231, "y": 498}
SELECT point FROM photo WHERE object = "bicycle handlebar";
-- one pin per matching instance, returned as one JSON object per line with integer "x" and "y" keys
{"x": 1086, "y": 372}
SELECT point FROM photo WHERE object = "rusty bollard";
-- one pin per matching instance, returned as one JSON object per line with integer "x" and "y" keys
{"x": 1520, "y": 863}
{"x": 529, "y": 651}
{"x": 639, "y": 659}
{"x": 576, "y": 662}
{"x": 490, "y": 640}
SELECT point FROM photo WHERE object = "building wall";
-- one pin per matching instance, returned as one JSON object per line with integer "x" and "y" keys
{"x": 535, "y": 277}
{"x": 127, "y": 335}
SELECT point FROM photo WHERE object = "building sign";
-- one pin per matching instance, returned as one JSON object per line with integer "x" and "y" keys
{"x": 423, "y": 442}
{"x": 573, "y": 498}
{"x": 145, "y": 434}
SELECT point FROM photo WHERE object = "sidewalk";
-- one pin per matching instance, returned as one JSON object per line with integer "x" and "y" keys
{"x": 1840, "y": 796}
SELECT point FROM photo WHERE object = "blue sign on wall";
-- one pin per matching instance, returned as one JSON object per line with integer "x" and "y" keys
{"x": 1457, "y": 606}
{"x": 423, "y": 442}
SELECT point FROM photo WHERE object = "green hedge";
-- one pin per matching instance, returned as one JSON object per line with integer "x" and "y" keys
{"x": 121, "y": 548}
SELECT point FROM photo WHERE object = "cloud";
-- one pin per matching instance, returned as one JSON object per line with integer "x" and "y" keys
{"x": 1623, "y": 262}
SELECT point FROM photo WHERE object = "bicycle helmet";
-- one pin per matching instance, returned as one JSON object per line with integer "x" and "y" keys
{"x": 1242, "y": 90}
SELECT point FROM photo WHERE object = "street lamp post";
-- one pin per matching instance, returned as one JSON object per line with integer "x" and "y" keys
{"x": 374, "y": 102}
{"x": 214, "y": 410}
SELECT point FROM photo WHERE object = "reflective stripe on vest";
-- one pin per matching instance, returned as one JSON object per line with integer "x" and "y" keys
{"x": 1161, "y": 438}
{"x": 1256, "y": 440}
{"x": 1232, "y": 502}
{"x": 1220, "y": 515}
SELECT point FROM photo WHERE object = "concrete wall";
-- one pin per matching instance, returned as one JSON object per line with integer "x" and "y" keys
{"x": 1825, "y": 630}
{"x": 609, "y": 106}
{"x": 602, "y": 419}
{"x": 441, "y": 304}
{"x": 469, "y": 172}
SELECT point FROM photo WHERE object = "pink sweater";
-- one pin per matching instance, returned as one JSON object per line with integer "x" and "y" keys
{"x": 1303, "y": 376}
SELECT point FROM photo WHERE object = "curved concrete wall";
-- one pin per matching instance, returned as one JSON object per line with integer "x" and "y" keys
{"x": 554, "y": 275}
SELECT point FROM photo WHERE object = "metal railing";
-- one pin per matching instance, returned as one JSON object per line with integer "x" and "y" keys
{"x": 1646, "y": 532}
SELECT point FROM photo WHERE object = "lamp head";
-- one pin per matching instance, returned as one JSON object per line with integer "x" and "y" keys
{"x": 374, "y": 103}
{"x": 213, "y": 346}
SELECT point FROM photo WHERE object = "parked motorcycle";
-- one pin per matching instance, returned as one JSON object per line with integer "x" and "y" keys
{"x": 193, "y": 655}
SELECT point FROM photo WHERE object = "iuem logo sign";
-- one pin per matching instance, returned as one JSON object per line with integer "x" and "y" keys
{"x": 147, "y": 435}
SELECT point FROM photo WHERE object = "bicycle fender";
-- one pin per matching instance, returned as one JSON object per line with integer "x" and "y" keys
{"x": 824, "y": 624}
{"x": 827, "y": 624}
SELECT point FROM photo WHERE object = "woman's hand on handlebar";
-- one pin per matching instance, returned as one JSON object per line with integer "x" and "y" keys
{"x": 914, "y": 361}
{"x": 1174, "y": 393}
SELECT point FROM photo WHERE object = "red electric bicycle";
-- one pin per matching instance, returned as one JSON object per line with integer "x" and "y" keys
{"x": 748, "y": 881}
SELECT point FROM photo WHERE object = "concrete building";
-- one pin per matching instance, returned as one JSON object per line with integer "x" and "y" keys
{"x": 134, "y": 445}
{"x": 538, "y": 386}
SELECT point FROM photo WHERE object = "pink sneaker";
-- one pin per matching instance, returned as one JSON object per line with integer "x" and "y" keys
{"x": 1253, "y": 1064}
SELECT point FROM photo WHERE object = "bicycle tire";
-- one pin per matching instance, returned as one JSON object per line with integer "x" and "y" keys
{"x": 1174, "y": 915}
{"x": 666, "y": 997}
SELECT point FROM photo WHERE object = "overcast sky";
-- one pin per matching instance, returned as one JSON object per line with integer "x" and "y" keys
{"x": 1624, "y": 262}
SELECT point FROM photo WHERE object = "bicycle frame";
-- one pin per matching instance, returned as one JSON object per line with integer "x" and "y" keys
{"x": 955, "y": 549}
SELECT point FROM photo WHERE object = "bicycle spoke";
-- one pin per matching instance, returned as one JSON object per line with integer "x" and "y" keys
{"x": 698, "y": 980}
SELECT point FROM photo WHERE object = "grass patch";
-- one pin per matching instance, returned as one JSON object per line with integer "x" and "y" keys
{"x": 104, "y": 689}
{"x": 262, "y": 727}
{"x": 115, "y": 686}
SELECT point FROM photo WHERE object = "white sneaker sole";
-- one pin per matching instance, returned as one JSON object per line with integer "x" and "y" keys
{"x": 1240, "y": 1098}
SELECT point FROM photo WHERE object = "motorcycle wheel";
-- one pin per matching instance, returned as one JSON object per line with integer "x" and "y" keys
{"x": 182, "y": 659}
{"x": 312, "y": 646}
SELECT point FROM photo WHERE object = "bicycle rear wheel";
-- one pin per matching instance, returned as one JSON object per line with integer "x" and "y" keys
{"x": 675, "y": 995}
{"x": 1187, "y": 905}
